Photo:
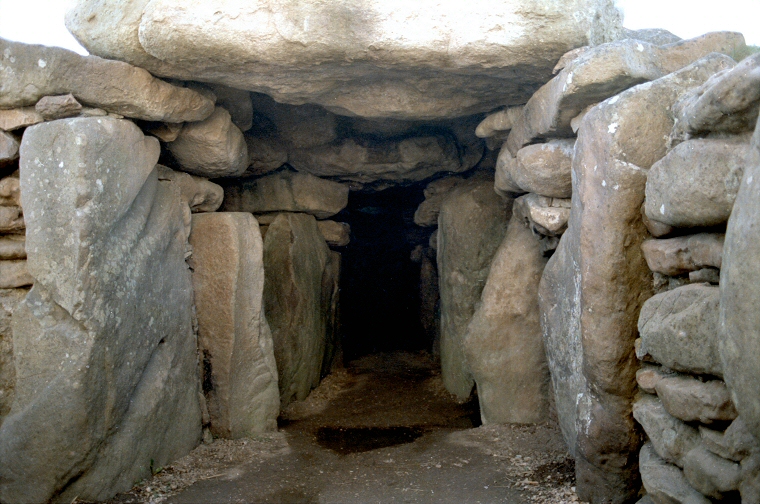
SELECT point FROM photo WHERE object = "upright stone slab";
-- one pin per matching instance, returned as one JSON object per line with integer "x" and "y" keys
{"x": 9, "y": 299}
{"x": 234, "y": 340}
{"x": 105, "y": 354}
{"x": 471, "y": 225}
{"x": 295, "y": 258}
{"x": 503, "y": 344}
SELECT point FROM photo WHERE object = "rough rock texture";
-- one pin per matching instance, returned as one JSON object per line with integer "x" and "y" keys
{"x": 601, "y": 284}
{"x": 58, "y": 107}
{"x": 11, "y": 219}
{"x": 211, "y": 148}
{"x": 114, "y": 386}
{"x": 546, "y": 216}
{"x": 545, "y": 169}
{"x": 693, "y": 400}
{"x": 331, "y": 307}
{"x": 648, "y": 376}
{"x": 336, "y": 234}
{"x": 711, "y": 475}
{"x": 471, "y": 227}
{"x": 503, "y": 345}
{"x": 665, "y": 483}
{"x": 503, "y": 183}
{"x": 354, "y": 58}
{"x": 675, "y": 256}
{"x": 29, "y": 72}
{"x": 9, "y": 300}
{"x": 8, "y": 148}
{"x": 234, "y": 340}
{"x": 602, "y": 72}
{"x": 12, "y": 247}
{"x": 671, "y": 438}
{"x": 265, "y": 155}
{"x": 238, "y": 103}
{"x": 13, "y": 119}
{"x": 298, "y": 127}
{"x": 498, "y": 122}
{"x": 295, "y": 258}
{"x": 435, "y": 193}
{"x": 197, "y": 192}
{"x": 679, "y": 329}
{"x": 696, "y": 183}
{"x": 287, "y": 191}
{"x": 735, "y": 443}
{"x": 14, "y": 274}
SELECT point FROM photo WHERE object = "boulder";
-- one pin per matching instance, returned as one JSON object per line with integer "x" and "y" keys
{"x": 656, "y": 36}
{"x": 9, "y": 300}
{"x": 336, "y": 234}
{"x": 710, "y": 474}
{"x": 197, "y": 192}
{"x": 8, "y": 149}
{"x": 213, "y": 147}
{"x": 749, "y": 487}
{"x": 693, "y": 400}
{"x": 739, "y": 323}
{"x": 671, "y": 438}
{"x": 16, "y": 118}
{"x": 696, "y": 183}
{"x": 58, "y": 107}
{"x": 546, "y": 216}
{"x": 356, "y": 58}
{"x": 679, "y": 329}
{"x": 112, "y": 304}
{"x": 29, "y": 72}
{"x": 675, "y": 256}
{"x": 295, "y": 258}
{"x": 735, "y": 443}
{"x": 545, "y": 168}
{"x": 239, "y": 371}
{"x": 265, "y": 155}
{"x": 502, "y": 345}
{"x": 601, "y": 73}
{"x": 14, "y": 274}
{"x": 471, "y": 227}
{"x": 286, "y": 191}
{"x": 665, "y": 483}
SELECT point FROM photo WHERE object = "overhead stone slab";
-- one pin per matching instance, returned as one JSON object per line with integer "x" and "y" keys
{"x": 471, "y": 227}
{"x": 674, "y": 256}
{"x": 546, "y": 216}
{"x": 679, "y": 329}
{"x": 665, "y": 483}
{"x": 502, "y": 344}
{"x": 117, "y": 368}
{"x": 693, "y": 400}
{"x": 200, "y": 194}
{"x": 9, "y": 300}
{"x": 287, "y": 191}
{"x": 29, "y": 72}
{"x": 234, "y": 339}
{"x": 295, "y": 258}
{"x": 696, "y": 183}
{"x": 671, "y": 438}
{"x": 545, "y": 168}
{"x": 603, "y": 72}
{"x": 356, "y": 58}
{"x": 299, "y": 126}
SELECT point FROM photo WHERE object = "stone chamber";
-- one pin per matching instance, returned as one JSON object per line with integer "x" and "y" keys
{"x": 511, "y": 214}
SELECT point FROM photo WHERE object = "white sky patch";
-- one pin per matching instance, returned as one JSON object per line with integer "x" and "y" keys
{"x": 38, "y": 22}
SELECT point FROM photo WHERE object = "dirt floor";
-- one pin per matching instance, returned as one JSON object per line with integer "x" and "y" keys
{"x": 382, "y": 430}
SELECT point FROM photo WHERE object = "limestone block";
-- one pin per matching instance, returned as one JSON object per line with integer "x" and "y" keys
{"x": 336, "y": 234}
{"x": 675, "y": 256}
{"x": 710, "y": 474}
{"x": 29, "y": 72}
{"x": 547, "y": 216}
{"x": 656, "y": 36}
{"x": 58, "y": 107}
{"x": 287, "y": 191}
{"x": 693, "y": 400}
{"x": 665, "y": 483}
{"x": 104, "y": 349}
{"x": 502, "y": 345}
{"x": 15, "y": 118}
{"x": 9, "y": 299}
{"x": 197, "y": 192}
{"x": 545, "y": 168}
{"x": 671, "y": 438}
{"x": 471, "y": 227}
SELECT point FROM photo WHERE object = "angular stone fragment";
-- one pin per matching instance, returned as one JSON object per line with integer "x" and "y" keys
{"x": 9, "y": 299}
{"x": 234, "y": 340}
{"x": 693, "y": 400}
{"x": 710, "y": 474}
{"x": 58, "y": 107}
{"x": 696, "y": 183}
{"x": 14, "y": 274}
{"x": 498, "y": 122}
{"x": 545, "y": 168}
{"x": 295, "y": 258}
{"x": 665, "y": 483}
{"x": 735, "y": 443}
{"x": 29, "y": 72}
{"x": 471, "y": 227}
{"x": 13, "y": 119}
{"x": 213, "y": 147}
{"x": 287, "y": 191}
{"x": 502, "y": 345}
{"x": 679, "y": 329}
{"x": 264, "y": 155}
{"x": 671, "y": 438}
{"x": 547, "y": 216}
{"x": 112, "y": 304}
{"x": 336, "y": 234}
{"x": 8, "y": 149}
{"x": 675, "y": 256}
{"x": 197, "y": 192}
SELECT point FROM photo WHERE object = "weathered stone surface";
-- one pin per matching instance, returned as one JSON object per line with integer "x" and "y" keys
{"x": 435, "y": 193}
{"x": 728, "y": 102}
{"x": 333, "y": 356}
{"x": 656, "y": 36}
{"x": 711, "y": 475}
{"x": 12, "y": 247}
{"x": 502, "y": 345}
{"x": 749, "y": 487}
{"x": 213, "y": 147}
{"x": 11, "y": 219}
{"x": 739, "y": 324}
{"x": 696, "y": 183}
{"x": 234, "y": 340}
{"x": 9, "y": 299}
{"x": 264, "y": 155}
{"x": 670, "y": 437}
{"x": 112, "y": 303}
{"x": 58, "y": 107}
{"x": 336, "y": 234}
{"x": 675, "y": 256}
{"x": 14, "y": 274}
{"x": 287, "y": 191}
{"x": 498, "y": 122}
{"x": 238, "y": 103}
{"x": 665, "y": 483}
{"x": 679, "y": 328}
{"x": 197, "y": 192}
{"x": 300, "y": 127}
{"x": 295, "y": 258}
{"x": 409, "y": 160}
{"x": 693, "y": 400}
{"x": 601, "y": 73}
{"x": 545, "y": 169}
{"x": 503, "y": 183}
{"x": 29, "y": 72}
{"x": 13, "y": 119}
{"x": 356, "y": 59}
{"x": 735, "y": 443}
{"x": 546, "y": 216}
{"x": 705, "y": 275}
{"x": 429, "y": 297}
{"x": 8, "y": 148}
{"x": 471, "y": 227}
{"x": 605, "y": 282}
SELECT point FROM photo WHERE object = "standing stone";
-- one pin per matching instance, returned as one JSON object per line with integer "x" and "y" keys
{"x": 333, "y": 355}
{"x": 234, "y": 340}
{"x": 105, "y": 354}
{"x": 503, "y": 344}
{"x": 429, "y": 298}
{"x": 9, "y": 299}
{"x": 471, "y": 225}
{"x": 295, "y": 258}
